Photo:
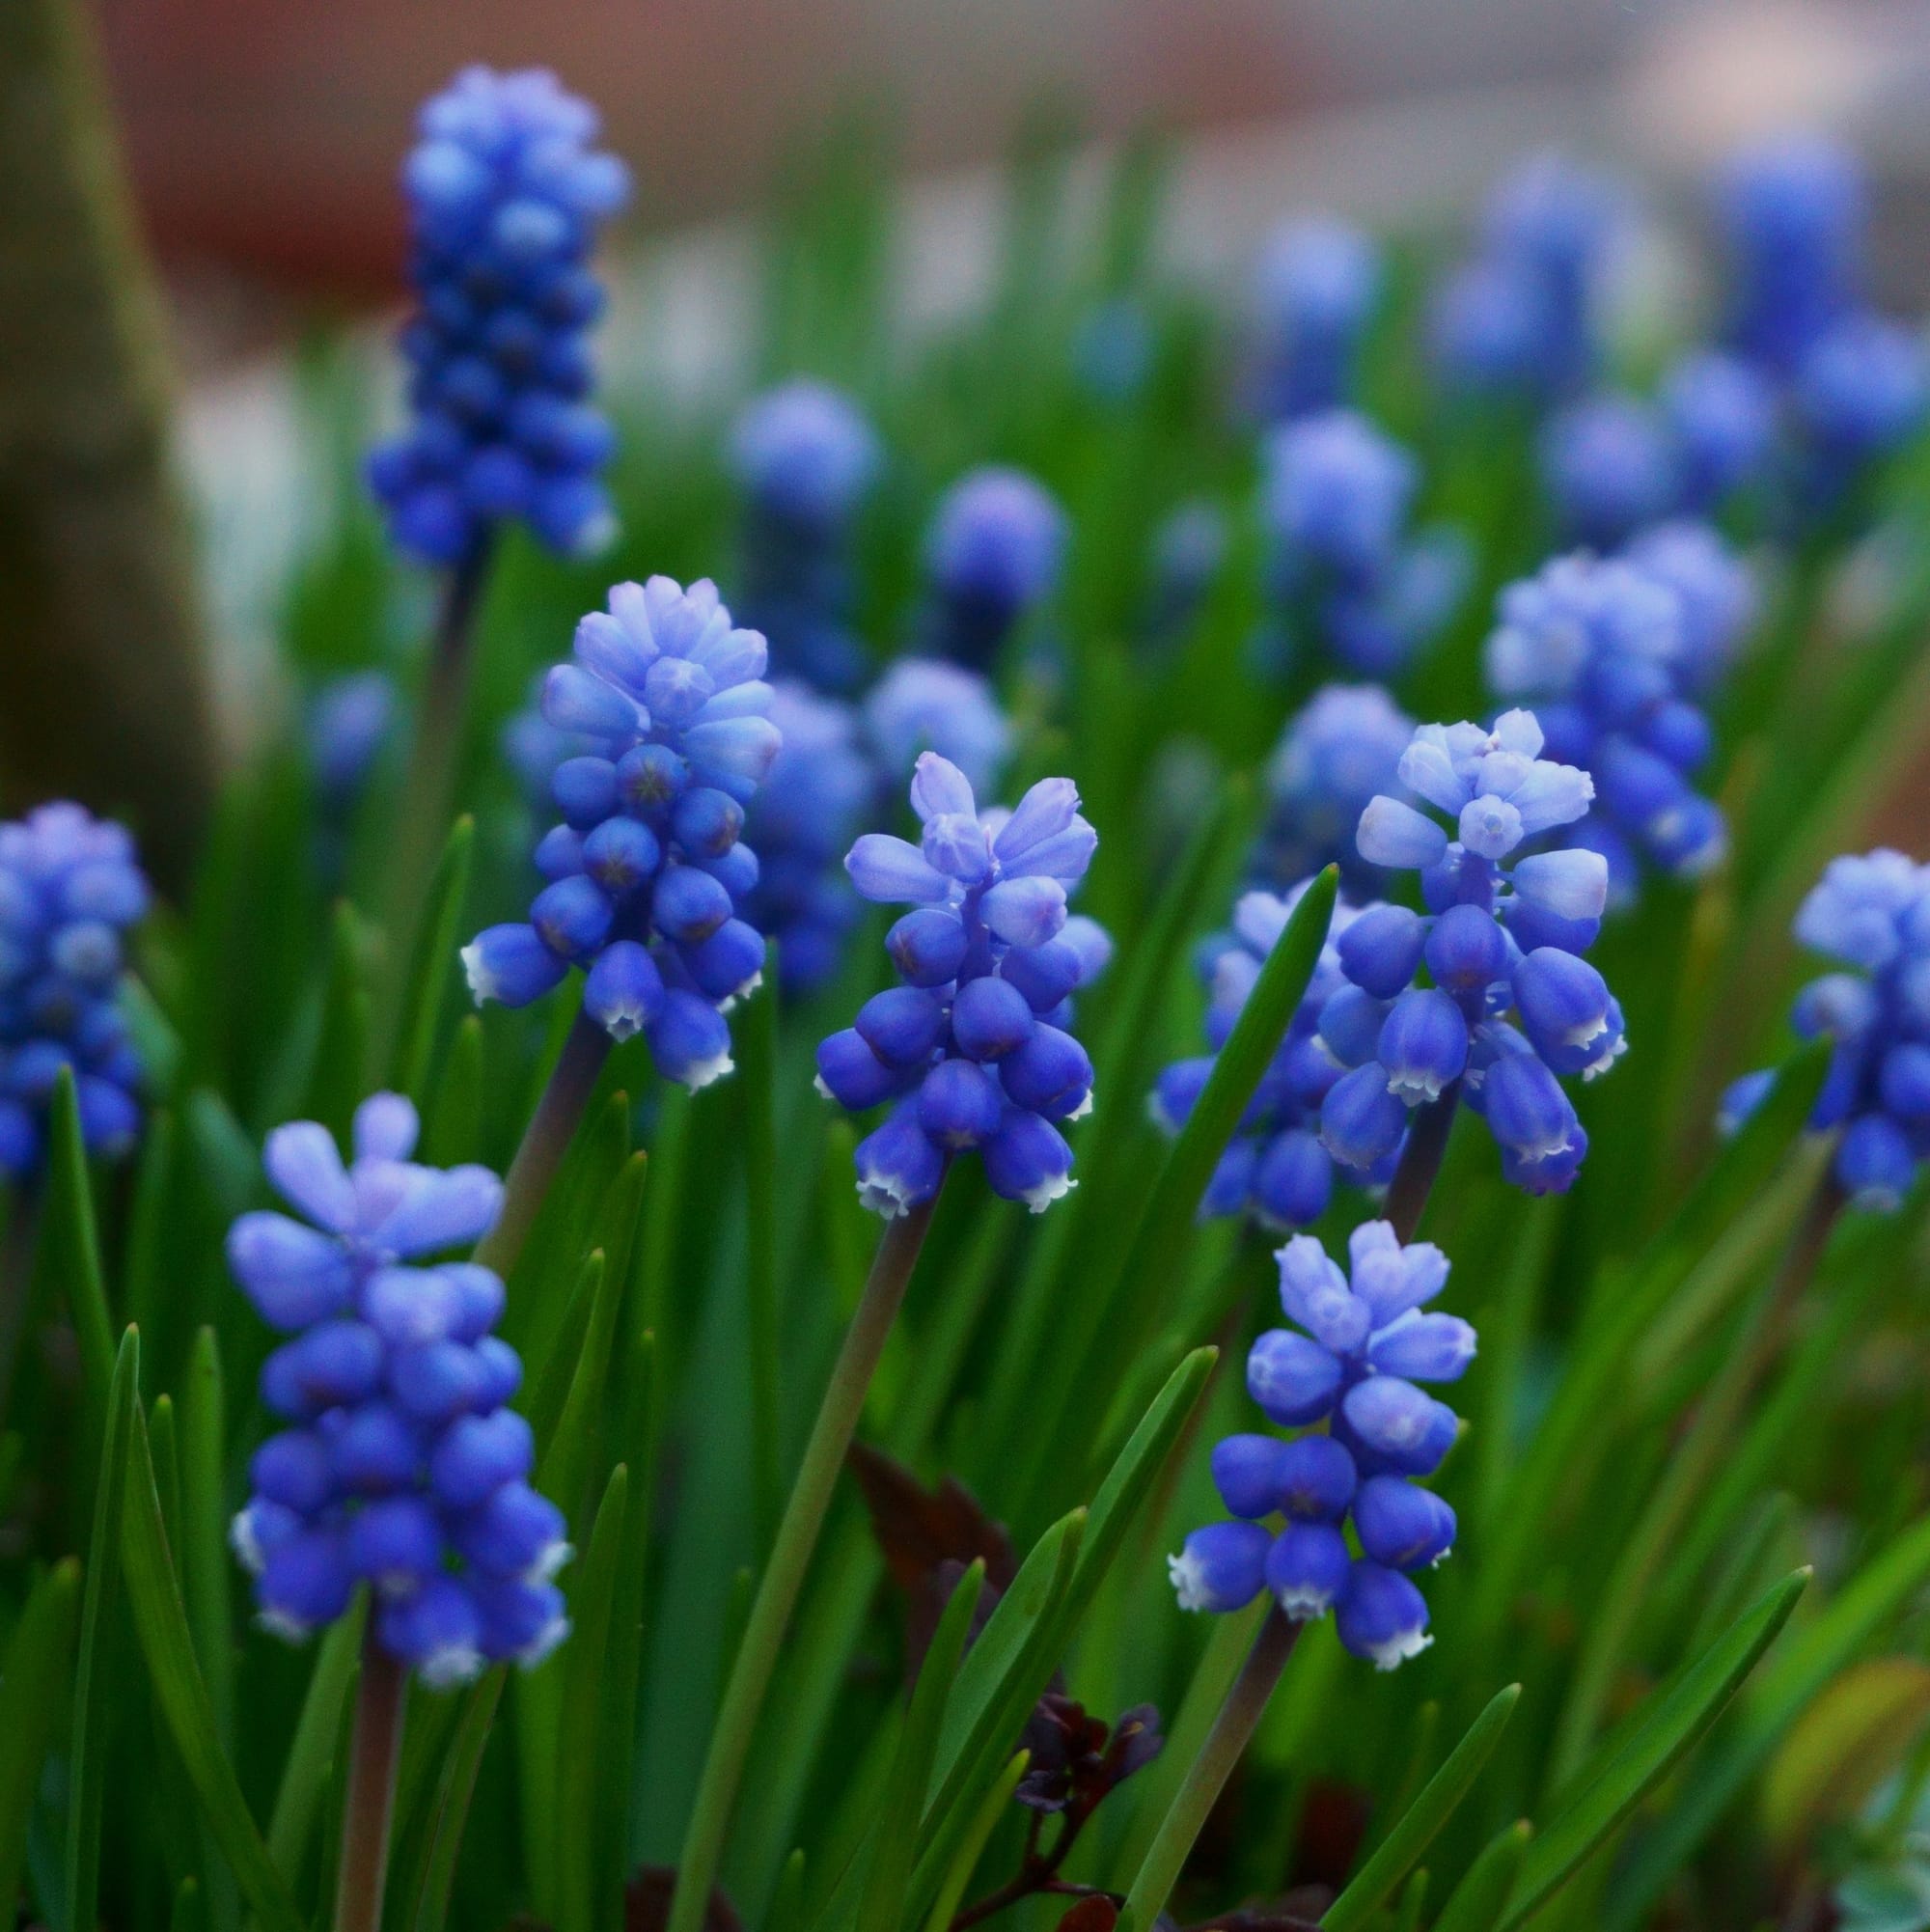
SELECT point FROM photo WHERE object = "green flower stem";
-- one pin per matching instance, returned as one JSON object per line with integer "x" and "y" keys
{"x": 572, "y": 1079}
{"x": 369, "y": 1803}
{"x": 428, "y": 782}
{"x": 791, "y": 1556}
{"x": 1233, "y": 1729}
{"x": 1420, "y": 1162}
{"x": 1686, "y": 1476}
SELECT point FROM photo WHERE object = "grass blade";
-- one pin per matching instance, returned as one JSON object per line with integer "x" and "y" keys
{"x": 203, "y": 1540}
{"x": 435, "y": 961}
{"x": 34, "y": 1678}
{"x": 1479, "y": 1902}
{"x": 1401, "y": 1849}
{"x": 971, "y": 1847}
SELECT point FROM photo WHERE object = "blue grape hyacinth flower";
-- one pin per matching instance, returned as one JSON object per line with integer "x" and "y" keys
{"x": 506, "y": 195}
{"x": 925, "y": 705}
{"x": 1870, "y": 912}
{"x": 1361, "y": 1344}
{"x": 819, "y": 791}
{"x": 1189, "y": 550}
{"x": 1721, "y": 410}
{"x": 1336, "y": 752}
{"x": 1275, "y": 1168}
{"x": 1609, "y": 466}
{"x": 1316, "y": 290}
{"x": 972, "y": 1049}
{"x": 1510, "y": 1007}
{"x": 70, "y": 888}
{"x": 1603, "y": 649}
{"x": 647, "y": 872}
{"x": 804, "y": 457}
{"x": 992, "y": 556}
{"x": 400, "y": 1467}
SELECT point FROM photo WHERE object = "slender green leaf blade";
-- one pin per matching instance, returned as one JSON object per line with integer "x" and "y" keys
{"x": 204, "y": 1541}
{"x": 1479, "y": 1901}
{"x": 34, "y": 1678}
{"x": 430, "y": 969}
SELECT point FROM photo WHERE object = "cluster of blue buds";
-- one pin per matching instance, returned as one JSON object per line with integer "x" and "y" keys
{"x": 349, "y": 723}
{"x": 1609, "y": 464}
{"x": 1794, "y": 212}
{"x": 70, "y": 889}
{"x": 505, "y": 198}
{"x": 1352, "y": 1361}
{"x": 1274, "y": 1167}
{"x": 1315, "y": 290}
{"x": 1336, "y": 494}
{"x": 1340, "y": 750}
{"x": 1872, "y": 913}
{"x": 992, "y": 557}
{"x": 804, "y": 457}
{"x": 1721, "y": 415}
{"x": 813, "y": 801}
{"x": 1521, "y": 318}
{"x": 1606, "y": 650}
{"x": 400, "y": 1467}
{"x": 925, "y": 705}
{"x": 972, "y": 1049}
{"x": 1502, "y": 935}
{"x": 647, "y": 872}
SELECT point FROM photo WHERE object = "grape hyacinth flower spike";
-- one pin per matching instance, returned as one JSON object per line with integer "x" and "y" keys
{"x": 804, "y": 456}
{"x": 399, "y": 1467}
{"x": 925, "y": 705}
{"x": 1360, "y": 1344}
{"x": 1315, "y": 290}
{"x": 992, "y": 556}
{"x": 1274, "y": 1167}
{"x": 646, "y": 871}
{"x": 1510, "y": 1007}
{"x": 506, "y": 194}
{"x": 69, "y": 891}
{"x": 1871, "y": 913}
{"x": 972, "y": 1049}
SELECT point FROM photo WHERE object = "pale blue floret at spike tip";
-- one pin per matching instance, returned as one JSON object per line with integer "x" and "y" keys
{"x": 1346, "y": 1371}
{"x": 71, "y": 890}
{"x": 505, "y": 197}
{"x": 1871, "y": 912}
{"x": 993, "y": 554}
{"x": 400, "y": 1467}
{"x": 1511, "y": 1005}
{"x": 973, "y": 1048}
{"x": 647, "y": 872}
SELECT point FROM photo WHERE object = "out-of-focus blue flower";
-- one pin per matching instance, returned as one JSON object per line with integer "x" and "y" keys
{"x": 992, "y": 556}
{"x": 1314, "y": 293}
{"x": 1859, "y": 392}
{"x": 1794, "y": 212}
{"x": 1189, "y": 550}
{"x": 804, "y": 457}
{"x": 350, "y": 720}
{"x": 1274, "y": 1167}
{"x": 818, "y": 792}
{"x": 1361, "y": 1344}
{"x": 647, "y": 871}
{"x": 1334, "y": 498}
{"x": 1379, "y": 628}
{"x": 925, "y": 705}
{"x": 400, "y": 1467}
{"x": 1872, "y": 914}
{"x": 1721, "y": 412}
{"x": 973, "y": 1047}
{"x": 1512, "y": 1008}
{"x": 1603, "y": 649}
{"x": 1338, "y": 750}
{"x": 1520, "y": 317}
{"x": 505, "y": 197}
{"x": 69, "y": 889}
{"x": 1716, "y": 592}
{"x": 1608, "y": 466}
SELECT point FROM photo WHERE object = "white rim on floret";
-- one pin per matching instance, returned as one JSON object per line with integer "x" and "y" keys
{"x": 1395, "y": 1650}
{"x": 1189, "y": 1580}
{"x": 705, "y": 1071}
{"x": 1044, "y": 1194}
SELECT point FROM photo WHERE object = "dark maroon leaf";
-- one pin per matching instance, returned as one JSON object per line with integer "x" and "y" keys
{"x": 646, "y": 1903}
{"x": 1094, "y": 1913}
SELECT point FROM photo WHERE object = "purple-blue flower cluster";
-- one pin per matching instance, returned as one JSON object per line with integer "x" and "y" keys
{"x": 1316, "y": 290}
{"x": 505, "y": 198}
{"x": 1361, "y": 1344}
{"x": 1872, "y": 913}
{"x": 1274, "y": 1167}
{"x": 803, "y": 455}
{"x": 925, "y": 705}
{"x": 646, "y": 872}
{"x": 992, "y": 557}
{"x": 973, "y": 1047}
{"x": 69, "y": 889}
{"x": 1510, "y": 1007}
{"x": 1336, "y": 494}
{"x": 400, "y": 1468}
{"x": 1522, "y": 316}
{"x": 1614, "y": 656}
{"x": 1338, "y": 750}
